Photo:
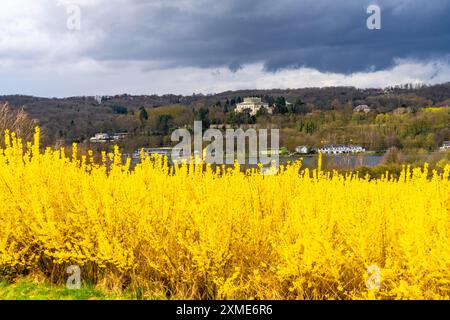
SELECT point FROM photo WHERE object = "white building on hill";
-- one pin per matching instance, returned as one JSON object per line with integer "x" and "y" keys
{"x": 302, "y": 149}
{"x": 362, "y": 108}
{"x": 445, "y": 146}
{"x": 253, "y": 104}
{"x": 100, "y": 138}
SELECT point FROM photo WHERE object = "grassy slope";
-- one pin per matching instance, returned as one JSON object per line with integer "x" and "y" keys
{"x": 31, "y": 291}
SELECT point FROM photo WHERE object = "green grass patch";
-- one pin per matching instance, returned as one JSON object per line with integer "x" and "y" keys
{"x": 24, "y": 290}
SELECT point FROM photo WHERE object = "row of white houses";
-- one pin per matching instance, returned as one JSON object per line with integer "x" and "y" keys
{"x": 341, "y": 149}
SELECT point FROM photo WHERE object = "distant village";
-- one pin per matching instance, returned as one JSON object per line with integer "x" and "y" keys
{"x": 253, "y": 105}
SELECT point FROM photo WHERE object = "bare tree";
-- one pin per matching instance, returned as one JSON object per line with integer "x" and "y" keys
{"x": 16, "y": 121}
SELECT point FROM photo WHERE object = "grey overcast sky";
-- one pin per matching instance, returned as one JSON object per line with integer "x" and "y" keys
{"x": 186, "y": 46}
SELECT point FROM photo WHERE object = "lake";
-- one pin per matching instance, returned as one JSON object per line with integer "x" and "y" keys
{"x": 339, "y": 161}
{"x": 342, "y": 161}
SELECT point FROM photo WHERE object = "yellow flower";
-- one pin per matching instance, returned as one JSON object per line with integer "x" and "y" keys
{"x": 197, "y": 232}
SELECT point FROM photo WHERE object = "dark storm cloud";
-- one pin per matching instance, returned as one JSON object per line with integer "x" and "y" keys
{"x": 330, "y": 36}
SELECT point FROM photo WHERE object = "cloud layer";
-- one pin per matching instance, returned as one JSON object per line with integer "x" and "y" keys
{"x": 182, "y": 46}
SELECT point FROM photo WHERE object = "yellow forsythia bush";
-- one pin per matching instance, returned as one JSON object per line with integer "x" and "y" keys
{"x": 194, "y": 232}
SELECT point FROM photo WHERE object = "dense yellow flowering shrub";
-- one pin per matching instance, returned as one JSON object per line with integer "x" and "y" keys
{"x": 194, "y": 232}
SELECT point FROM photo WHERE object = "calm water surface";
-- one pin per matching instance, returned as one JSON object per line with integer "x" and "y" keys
{"x": 329, "y": 161}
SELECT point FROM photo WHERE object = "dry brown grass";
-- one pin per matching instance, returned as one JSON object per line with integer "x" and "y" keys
{"x": 17, "y": 121}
